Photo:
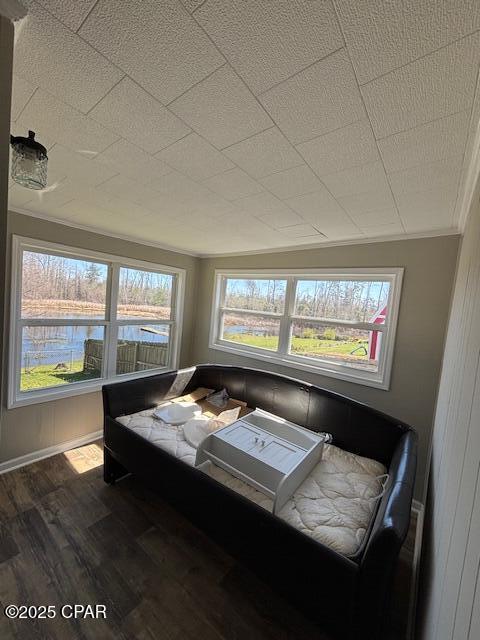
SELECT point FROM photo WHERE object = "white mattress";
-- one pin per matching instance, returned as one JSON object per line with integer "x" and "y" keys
{"x": 334, "y": 505}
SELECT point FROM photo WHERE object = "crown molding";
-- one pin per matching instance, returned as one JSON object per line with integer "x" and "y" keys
{"x": 318, "y": 245}
{"x": 452, "y": 231}
{"x": 99, "y": 232}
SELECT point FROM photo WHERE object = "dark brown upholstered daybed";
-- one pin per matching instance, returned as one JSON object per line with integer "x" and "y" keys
{"x": 348, "y": 596}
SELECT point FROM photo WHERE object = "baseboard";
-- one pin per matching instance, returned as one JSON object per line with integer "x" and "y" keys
{"x": 419, "y": 509}
{"x": 35, "y": 456}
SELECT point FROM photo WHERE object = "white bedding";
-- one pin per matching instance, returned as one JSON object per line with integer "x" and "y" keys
{"x": 334, "y": 505}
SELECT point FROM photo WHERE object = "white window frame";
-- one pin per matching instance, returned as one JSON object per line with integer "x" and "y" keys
{"x": 379, "y": 379}
{"x": 17, "y": 398}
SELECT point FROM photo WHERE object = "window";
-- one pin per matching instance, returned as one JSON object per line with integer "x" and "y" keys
{"x": 81, "y": 318}
{"x": 339, "y": 323}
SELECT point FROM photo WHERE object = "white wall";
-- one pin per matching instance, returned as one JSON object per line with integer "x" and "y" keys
{"x": 449, "y": 597}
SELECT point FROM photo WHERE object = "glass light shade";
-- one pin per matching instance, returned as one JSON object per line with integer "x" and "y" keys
{"x": 29, "y": 162}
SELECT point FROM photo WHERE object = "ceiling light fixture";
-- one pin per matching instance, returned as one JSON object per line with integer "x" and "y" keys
{"x": 29, "y": 162}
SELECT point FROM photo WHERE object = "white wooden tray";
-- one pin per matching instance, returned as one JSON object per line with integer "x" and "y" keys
{"x": 268, "y": 453}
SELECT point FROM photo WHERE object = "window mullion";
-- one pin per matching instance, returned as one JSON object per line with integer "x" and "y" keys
{"x": 142, "y": 321}
{"x": 112, "y": 327}
{"x": 284, "y": 338}
{"x": 60, "y": 322}
{"x": 365, "y": 326}
{"x": 250, "y": 312}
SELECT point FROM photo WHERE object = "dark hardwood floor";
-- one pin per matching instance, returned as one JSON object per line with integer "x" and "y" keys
{"x": 67, "y": 538}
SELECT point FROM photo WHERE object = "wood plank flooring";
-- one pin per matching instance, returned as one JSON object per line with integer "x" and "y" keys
{"x": 67, "y": 538}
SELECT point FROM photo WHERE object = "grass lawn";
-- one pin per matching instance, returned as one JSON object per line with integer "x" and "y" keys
{"x": 306, "y": 346}
{"x": 46, "y": 376}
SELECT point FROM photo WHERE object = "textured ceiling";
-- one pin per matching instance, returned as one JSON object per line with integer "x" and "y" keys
{"x": 224, "y": 126}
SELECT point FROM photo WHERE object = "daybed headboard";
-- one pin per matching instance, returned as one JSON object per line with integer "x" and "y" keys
{"x": 354, "y": 426}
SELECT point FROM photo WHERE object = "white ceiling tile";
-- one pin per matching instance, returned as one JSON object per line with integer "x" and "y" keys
{"x": 344, "y": 148}
{"x": 319, "y": 99}
{"x": 198, "y": 220}
{"x": 54, "y": 120}
{"x": 18, "y": 195}
{"x": 437, "y": 85}
{"x": 264, "y": 153}
{"x": 45, "y": 208}
{"x": 367, "y": 177}
{"x": 185, "y": 236}
{"x": 312, "y": 241}
{"x": 84, "y": 213}
{"x": 222, "y": 109}
{"x": 106, "y": 224}
{"x": 300, "y": 231}
{"x": 377, "y": 198}
{"x": 383, "y": 35}
{"x": 101, "y": 200}
{"x": 311, "y": 205}
{"x": 324, "y": 213}
{"x": 134, "y": 230}
{"x": 71, "y": 12}
{"x": 22, "y": 91}
{"x": 157, "y": 43}
{"x": 427, "y": 210}
{"x": 262, "y": 204}
{"x": 54, "y": 196}
{"x": 435, "y": 175}
{"x": 392, "y": 229}
{"x": 267, "y": 42}
{"x": 127, "y": 189}
{"x": 115, "y": 204}
{"x": 441, "y": 139}
{"x": 195, "y": 157}
{"x": 190, "y": 195}
{"x": 268, "y": 209}
{"x": 132, "y": 162}
{"x": 217, "y": 245}
{"x": 375, "y": 218}
{"x": 169, "y": 207}
{"x": 138, "y": 117}
{"x": 178, "y": 185}
{"x": 49, "y": 55}
{"x": 70, "y": 163}
{"x": 157, "y": 224}
{"x": 233, "y": 184}
{"x": 176, "y": 195}
{"x": 292, "y": 182}
{"x": 342, "y": 231}
{"x": 191, "y": 5}
{"x": 243, "y": 225}
{"x": 214, "y": 206}
{"x": 166, "y": 233}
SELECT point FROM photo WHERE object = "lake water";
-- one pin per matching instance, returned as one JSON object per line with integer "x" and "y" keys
{"x": 241, "y": 329}
{"x": 51, "y": 345}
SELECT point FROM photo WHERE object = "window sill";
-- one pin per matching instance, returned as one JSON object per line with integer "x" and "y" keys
{"x": 354, "y": 376}
{"x": 58, "y": 393}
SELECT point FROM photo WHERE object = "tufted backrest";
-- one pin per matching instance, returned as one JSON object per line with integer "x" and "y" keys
{"x": 355, "y": 427}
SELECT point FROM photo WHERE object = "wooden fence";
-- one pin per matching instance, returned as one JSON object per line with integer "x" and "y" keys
{"x": 131, "y": 355}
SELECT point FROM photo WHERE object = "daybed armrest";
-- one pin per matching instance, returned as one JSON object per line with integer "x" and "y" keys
{"x": 387, "y": 536}
{"x": 120, "y": 399}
